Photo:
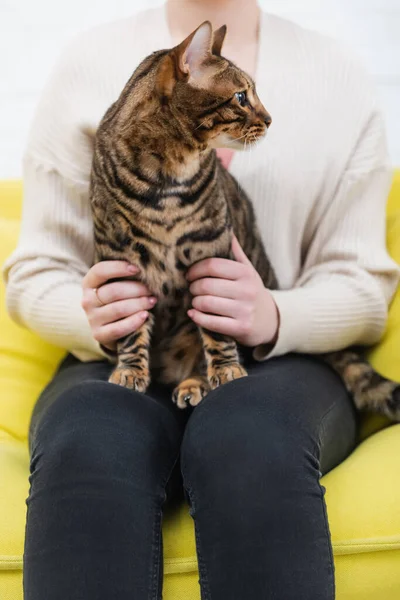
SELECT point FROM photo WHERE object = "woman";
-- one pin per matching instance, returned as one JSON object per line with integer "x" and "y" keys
{"x": 252, "y": 453}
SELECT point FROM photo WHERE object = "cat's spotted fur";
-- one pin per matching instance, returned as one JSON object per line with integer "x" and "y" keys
{"x": 162, "y": 200}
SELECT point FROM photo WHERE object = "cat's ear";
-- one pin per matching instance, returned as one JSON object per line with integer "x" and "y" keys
{"x": 218, "y": 40}
{"x": 185, "y": 61}
{"x": 192, "y": 52}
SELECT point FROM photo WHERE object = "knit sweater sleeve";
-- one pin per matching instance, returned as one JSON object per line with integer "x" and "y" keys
{"x": 55, "y": 249}
{"x": 342, "y": 295}
{"x": 44, "y": 274}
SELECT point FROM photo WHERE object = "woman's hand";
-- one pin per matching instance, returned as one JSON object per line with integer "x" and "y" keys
{"x": 115, "y": 309}
{"x": 230, "y": 298}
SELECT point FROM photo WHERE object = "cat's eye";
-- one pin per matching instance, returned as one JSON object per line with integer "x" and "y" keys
{"x": 241, "y": 98}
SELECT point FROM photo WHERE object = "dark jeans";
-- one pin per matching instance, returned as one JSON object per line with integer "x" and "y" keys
{"x": 105, "y": 459}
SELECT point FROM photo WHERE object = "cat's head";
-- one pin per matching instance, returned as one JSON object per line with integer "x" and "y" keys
{"x": 208, "y": 96}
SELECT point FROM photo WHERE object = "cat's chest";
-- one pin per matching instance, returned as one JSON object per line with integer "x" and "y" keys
{"x": 165, "y": 273}
{"x": 170, "y": 243}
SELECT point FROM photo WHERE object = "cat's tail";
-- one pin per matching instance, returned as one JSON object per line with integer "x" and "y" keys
{"x": 370, "y": 391}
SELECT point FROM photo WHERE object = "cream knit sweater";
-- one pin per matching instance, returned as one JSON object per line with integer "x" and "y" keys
{"x": 319, "y": 183}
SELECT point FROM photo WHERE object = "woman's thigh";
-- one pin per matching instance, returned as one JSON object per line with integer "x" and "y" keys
{"x": 315, "y": 397}
{"x": 296, "y": 395}
{"x": 72, "y": 374}
{"x": 251, "y": 457}
{"x": 101, "y": 459}
{"x": 300, "y": 388}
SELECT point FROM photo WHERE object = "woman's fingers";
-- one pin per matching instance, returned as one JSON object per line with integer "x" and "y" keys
{"x": 114, "y": 308}
{"x": 216, "y": 305}
{"x": 211, "y": 286}
{"x": 112, "y": 292}
{"x": 108, "y": 269}
{"x": 114, "y": 331}
{"x": 215, "y": 267}
{"x": 224, "y": 325}
{"x": 115, "y": 311}
{"x": 121, "y": 290}
{"x": 238, "y": 252}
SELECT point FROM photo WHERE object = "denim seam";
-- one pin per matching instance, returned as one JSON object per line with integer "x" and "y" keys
{"x": 204, "y": 581}
{"x": 328, "y": 536}
{"x": 326, "y": 522}
{"x": 157, "y": 537}
{"x": 156, "y": 561}
{"x": 322, "y": 420}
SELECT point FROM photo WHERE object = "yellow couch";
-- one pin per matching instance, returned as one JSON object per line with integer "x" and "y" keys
{"x": 363, "y": 494}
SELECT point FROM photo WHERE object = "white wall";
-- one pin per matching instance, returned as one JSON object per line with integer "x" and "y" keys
{"x": 32, "y": 32}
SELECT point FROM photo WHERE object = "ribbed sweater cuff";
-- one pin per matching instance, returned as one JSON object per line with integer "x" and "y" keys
{"x": 295, "y": 323}
{"x": 323, "y": 318}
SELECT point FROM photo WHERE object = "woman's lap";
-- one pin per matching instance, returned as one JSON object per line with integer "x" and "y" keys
{"x": 72, "y": 373}
{"x": 251, "y": 457}
{"x": 323, "y": 408}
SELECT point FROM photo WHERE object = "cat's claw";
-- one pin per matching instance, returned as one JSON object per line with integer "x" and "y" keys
{"x": 189, "y": 393}
{"x": 220, "y": 375}
{"x": 130, "y": 378}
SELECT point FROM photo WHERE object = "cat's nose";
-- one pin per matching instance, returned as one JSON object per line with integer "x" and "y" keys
{"x": 267, "y": 120}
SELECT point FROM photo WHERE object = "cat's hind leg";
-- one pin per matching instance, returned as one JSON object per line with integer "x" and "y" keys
{"x": 133, "y": 369}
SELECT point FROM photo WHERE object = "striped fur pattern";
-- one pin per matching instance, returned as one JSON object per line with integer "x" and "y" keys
{"x": 162, "y": 200}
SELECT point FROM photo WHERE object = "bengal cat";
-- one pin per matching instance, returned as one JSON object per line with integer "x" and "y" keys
{"x": 162, "y": 200}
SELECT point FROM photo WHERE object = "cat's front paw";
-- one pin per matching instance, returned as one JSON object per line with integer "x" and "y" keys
{"x": 219, "y": 375}
{"x": 191, "y": 391}
{"x": 133, "y": 379}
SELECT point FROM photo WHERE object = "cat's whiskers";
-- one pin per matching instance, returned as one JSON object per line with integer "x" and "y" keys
{"x": 235, "y": 140}
{"x": 201, "y": 125}
{"x": 241, "y": 137}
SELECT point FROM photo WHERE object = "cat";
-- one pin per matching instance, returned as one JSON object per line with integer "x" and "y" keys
{"x": 162, "y": 200}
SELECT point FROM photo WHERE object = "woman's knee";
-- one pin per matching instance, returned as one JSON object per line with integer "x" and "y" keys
{"x": 104, "y": 430}
{"x": 244, "y": 432}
